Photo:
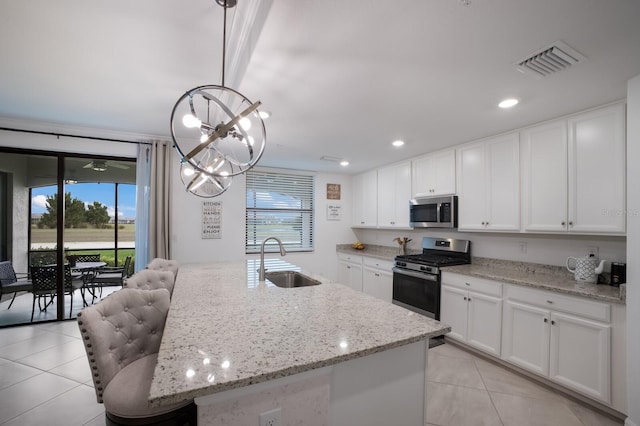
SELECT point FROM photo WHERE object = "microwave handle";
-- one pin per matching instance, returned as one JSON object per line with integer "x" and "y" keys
{"x": 439, "y": 218}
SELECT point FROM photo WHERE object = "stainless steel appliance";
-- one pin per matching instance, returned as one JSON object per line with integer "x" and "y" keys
{"x": 434, "y": 212}
{"x": 416, "y": 277}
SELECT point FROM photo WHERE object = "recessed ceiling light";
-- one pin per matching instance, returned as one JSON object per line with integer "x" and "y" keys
{"x": 508, "y": 103}
{"x": 344, "y": 163}
{"x": 397, "y": 143}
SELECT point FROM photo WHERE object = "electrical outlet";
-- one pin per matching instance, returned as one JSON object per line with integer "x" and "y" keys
{"x": 523, "y": 247}
{"x": 271, "y": 417}
{"x": 592, "y": 250}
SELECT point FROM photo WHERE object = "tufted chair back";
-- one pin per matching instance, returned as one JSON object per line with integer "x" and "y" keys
{"x": 160, "y": 264}
{"x": 122, "y": 328}
{"x": 149, "y": 279}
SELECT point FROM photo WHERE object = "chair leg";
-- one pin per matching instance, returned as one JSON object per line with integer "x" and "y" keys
{"x": 33, "y": 306}
{"x": 12, "y": 299}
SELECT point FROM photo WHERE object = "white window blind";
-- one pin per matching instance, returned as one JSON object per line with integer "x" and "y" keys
{"x": 279, "y": 205}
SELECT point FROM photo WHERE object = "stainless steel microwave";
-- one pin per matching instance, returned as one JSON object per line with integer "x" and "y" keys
{"x": 434, "y": 212}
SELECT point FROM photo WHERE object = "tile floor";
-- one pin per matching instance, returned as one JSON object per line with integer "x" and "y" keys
{"x": 464, "y": 389}
{"x": 45, "y": 380}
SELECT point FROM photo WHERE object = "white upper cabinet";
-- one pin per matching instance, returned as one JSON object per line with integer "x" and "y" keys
{"x": 488, "y": 180}
{"x": 394, "y": 193}
{"x": 544, "y": 177}
{"x": 573, "y": 174}
{"x": 597, "y": 171}
{"x": 434, "y": 174}
{"x": 365, "y": 199}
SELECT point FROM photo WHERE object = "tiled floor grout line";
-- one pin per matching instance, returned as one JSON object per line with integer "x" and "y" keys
{"x": 474, "y": 359}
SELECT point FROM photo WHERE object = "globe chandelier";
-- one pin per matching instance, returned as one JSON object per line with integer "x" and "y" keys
{"x": 217, "y": 132}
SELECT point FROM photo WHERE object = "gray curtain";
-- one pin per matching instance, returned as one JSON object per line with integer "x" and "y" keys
{"x": 153, "y": 202}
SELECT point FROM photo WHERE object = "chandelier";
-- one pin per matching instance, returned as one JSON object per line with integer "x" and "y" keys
{"x": 217, "y": 132}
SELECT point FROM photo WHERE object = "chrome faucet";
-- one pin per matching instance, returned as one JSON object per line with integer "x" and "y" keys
{"x": 262, "y": 270}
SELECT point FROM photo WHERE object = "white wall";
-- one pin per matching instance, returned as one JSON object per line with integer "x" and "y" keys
{"x": 633, "y": 250}
{"x": 187, "y": 245}
{"x": 545, "y": 249}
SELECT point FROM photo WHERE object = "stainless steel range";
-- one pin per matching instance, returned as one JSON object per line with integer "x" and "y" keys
{"x": 416, "y": 277}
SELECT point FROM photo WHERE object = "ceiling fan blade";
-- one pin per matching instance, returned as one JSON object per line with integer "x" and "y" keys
{"x": 117, "y": 165}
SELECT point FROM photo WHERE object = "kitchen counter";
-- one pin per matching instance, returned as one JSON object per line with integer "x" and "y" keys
{"x": 225, "y": 330}
{"x": 545, "y": 277}
{"x": 379, "y": 252}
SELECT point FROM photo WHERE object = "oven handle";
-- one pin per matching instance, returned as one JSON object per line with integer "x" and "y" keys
{"x": 428, "y": 277}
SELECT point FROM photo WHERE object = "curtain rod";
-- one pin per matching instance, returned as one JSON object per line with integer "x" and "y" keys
{"x": 38, "y": 132}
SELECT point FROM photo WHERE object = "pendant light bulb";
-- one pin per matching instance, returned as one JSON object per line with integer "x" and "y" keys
{"x": 190, "y": 121}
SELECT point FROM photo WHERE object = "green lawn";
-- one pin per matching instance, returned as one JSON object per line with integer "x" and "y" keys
{"x": 81, "y": 235}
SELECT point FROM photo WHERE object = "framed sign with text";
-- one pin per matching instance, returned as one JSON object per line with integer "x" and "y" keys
{"x": 211, "y": 219}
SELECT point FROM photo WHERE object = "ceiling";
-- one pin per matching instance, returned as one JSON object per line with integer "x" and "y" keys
{"x": 341, "y": 78}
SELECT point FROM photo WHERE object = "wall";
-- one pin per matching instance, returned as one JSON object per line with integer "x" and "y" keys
{"x": 15, "y": 166}
{"x": 633, "y": 250}
{"x": 187, "y": 245}
{"x": 545, "y": 249}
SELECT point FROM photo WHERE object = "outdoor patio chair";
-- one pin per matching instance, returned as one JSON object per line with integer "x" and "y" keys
{"x": 45, "y": 286}
{"x": 160, "y": 264}
{"x": 149, "y": 279}
{"x": 88, "y": 257}
{"x": 122, "y": 335}
{"x": 11, "y": 283}
{"x": 107, "y": 276}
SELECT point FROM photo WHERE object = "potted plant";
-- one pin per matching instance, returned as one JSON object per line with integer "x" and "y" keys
{"x": 72, "y": 259}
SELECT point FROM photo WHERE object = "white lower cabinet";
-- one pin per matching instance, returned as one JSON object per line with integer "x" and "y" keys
{"x": 473, "y": 309}
{"x": 350, "y": 270}
{"x": 565, "y": 338}
{"x": 377, "y": 278}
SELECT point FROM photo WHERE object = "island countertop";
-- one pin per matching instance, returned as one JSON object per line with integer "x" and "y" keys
{"x": 225, "y": 330}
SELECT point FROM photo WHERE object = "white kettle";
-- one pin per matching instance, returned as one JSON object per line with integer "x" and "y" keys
{"x": 586, "y": 268}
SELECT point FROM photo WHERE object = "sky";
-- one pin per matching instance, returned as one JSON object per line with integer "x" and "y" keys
{"x": 88, "y": 193}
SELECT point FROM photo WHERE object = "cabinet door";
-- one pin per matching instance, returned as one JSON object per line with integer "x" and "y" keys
{"x": 485, "y": 322}
{"x": 597, "y": 171}
{"x": 503, "y": 183}
{"x": 365, "y": 202}
{"x": 394, "y": 193}
{"x": 434, "y": 174}
{"x": 377, "y": 283}
{"x": 544, "y": 177}
{"x": 580, "y": 355}
{"x": 350, "y": 274}
{"x": 526, "y": 336}
{"x": 453, "y": 311}
{"x": 472, "y": 187}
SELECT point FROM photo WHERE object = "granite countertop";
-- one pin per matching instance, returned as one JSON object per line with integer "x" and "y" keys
{"x": 379, "y": 252}
{"x": 544, "y": 277}
{"x": 225, "y": 330}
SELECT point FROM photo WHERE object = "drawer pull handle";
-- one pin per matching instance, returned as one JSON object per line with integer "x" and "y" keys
{"x": 553, "y": 323}
{"x": 546, "y": 320}
{"x": 468, "y": 284}
{"x": 550, "y": 302}
{"x": 465, "y": 298}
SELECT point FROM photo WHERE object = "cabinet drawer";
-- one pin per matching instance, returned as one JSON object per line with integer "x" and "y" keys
{"x": 480, "y": 285}
{"x": 560, "y": 302}
{"x": 373, "y": 262}
{"x": 353, "y": 258}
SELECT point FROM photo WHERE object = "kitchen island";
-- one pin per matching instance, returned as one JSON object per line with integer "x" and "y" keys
{"x": 323, "y": 354}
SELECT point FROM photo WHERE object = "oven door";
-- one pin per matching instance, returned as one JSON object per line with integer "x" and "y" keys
{"x": 417, "y": 291}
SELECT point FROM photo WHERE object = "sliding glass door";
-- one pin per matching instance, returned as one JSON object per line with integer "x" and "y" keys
{"x": 63, "y": 217}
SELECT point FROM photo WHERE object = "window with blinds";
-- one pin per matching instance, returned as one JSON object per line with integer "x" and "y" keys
{"x": 279, "y": 205}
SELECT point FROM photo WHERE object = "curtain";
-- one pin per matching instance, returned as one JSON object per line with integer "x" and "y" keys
{"x": 153, "y": 203}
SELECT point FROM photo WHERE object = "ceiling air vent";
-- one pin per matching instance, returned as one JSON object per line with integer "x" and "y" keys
{"x": 549, "y": 60}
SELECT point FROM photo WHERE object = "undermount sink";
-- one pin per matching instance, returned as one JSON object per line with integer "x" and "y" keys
{"x": 290, "y": 279}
